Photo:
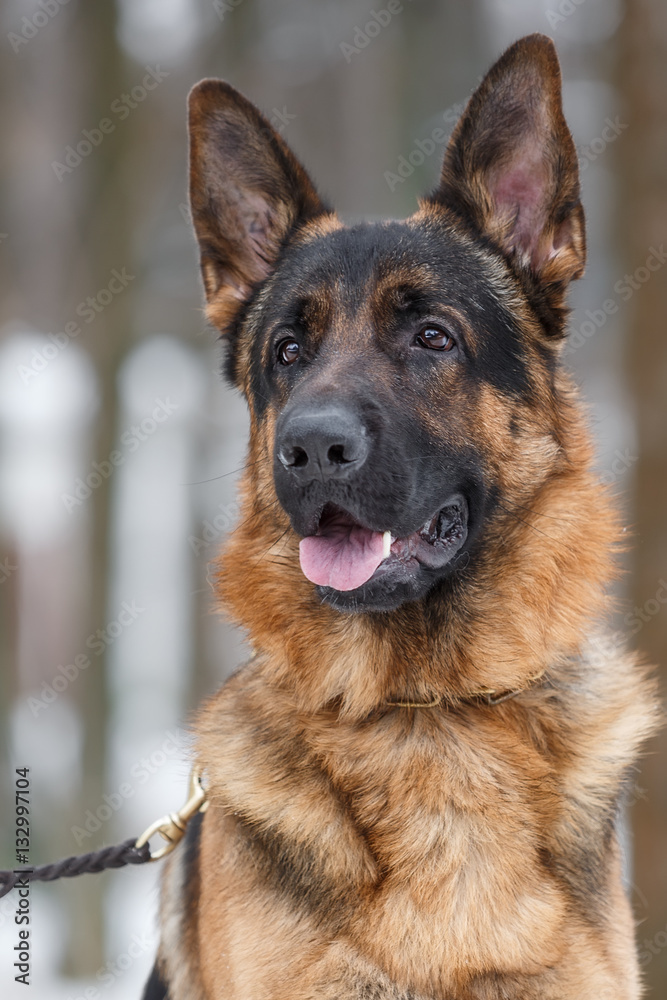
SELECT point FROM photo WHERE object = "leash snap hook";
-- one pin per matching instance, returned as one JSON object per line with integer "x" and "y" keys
{"x": 172, "y": 827}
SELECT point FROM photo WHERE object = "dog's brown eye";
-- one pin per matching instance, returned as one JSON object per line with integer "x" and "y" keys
{"x": 288, "y": 352}
{"x": 435, "y": 339}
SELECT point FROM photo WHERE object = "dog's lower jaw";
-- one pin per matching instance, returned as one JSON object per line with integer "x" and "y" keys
{"x": 400, "y": 584}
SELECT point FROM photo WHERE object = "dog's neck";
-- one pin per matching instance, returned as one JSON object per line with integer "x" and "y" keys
{"x": 496, "y": 630}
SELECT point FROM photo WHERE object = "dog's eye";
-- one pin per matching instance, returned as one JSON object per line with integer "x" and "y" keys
{"x": 435, "y": 339}
{"x": 287, "y": 351}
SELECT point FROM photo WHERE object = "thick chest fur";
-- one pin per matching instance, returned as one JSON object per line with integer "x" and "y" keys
{"x": 440, "y": 845}
{"x": 452, "y": 811}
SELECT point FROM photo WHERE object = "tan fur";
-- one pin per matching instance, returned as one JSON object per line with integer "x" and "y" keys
{"x": 179, "y": 951}
{"x": 355, "y": 849}
{"x": 430, "y": 825}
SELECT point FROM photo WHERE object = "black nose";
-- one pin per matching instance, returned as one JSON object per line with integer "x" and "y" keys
{"x": 326, "y": 443}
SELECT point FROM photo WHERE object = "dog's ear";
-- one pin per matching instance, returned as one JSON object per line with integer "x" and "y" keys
{"x": 248, "y": 192}
{"x": 511, "y": 168}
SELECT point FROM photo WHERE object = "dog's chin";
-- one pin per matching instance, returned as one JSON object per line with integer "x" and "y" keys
{"x": 384, "y": 592}
{"x": 414, "y": 565}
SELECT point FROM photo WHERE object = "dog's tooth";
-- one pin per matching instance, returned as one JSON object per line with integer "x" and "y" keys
{"x": 386, "y": 544}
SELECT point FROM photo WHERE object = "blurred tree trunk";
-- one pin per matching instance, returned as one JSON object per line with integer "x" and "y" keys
{"x": 59, "y": 82}
{"x": 104, "y": 226}
{"x": 643, "y": 82}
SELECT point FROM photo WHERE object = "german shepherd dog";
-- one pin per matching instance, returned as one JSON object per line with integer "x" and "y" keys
{"x": 415, "y": 782}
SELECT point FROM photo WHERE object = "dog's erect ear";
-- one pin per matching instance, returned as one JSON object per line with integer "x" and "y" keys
{"x": 247, "y": 194}
{"x": 511, "y": 165}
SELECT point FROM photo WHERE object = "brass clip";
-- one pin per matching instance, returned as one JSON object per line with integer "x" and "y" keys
{"x": 172, "y": 827}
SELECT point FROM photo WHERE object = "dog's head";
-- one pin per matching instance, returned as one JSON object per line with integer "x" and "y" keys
{"x": 402, "y": 377}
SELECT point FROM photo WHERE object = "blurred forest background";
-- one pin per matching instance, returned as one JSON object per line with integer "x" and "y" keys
{"x": 119, "y": 445}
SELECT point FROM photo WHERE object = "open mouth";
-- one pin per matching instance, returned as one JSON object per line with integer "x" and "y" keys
{"x": 344, "y": 554}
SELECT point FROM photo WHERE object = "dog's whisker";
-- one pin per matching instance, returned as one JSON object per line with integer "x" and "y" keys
{"x": 539, "y": 513}
{"x": 526, "y": 523}
{"x": 268, "y": 550}
{"x": 254, "y": 513}
{"x": 224, "y": 475}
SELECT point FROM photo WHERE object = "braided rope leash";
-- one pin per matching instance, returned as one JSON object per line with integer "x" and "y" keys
{"x": 131, "y": 852}
{"x": 117, "y": 856}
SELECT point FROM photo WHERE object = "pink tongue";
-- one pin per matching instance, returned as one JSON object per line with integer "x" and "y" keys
{"x": 344, "y": 558}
